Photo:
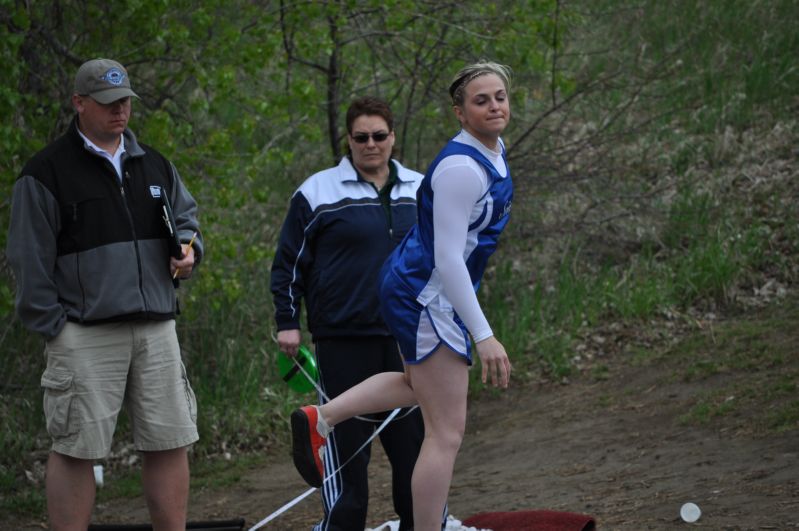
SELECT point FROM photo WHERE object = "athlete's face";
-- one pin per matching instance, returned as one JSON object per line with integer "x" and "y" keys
{"x": 486, "y": 109}
{"x": 372, "y": 155}
{"x": 102, "y": 123}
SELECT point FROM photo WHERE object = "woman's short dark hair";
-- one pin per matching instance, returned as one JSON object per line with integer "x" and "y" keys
{"x": 370, "y": 106}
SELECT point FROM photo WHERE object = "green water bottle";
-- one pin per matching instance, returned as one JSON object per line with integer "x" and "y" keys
{"x": 291, "y": 373}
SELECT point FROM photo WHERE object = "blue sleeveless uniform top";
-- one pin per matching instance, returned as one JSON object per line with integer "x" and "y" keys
{"x": 413, "y": 263}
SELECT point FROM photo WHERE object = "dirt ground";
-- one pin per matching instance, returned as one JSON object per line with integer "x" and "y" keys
{"x": 614, "y": 448}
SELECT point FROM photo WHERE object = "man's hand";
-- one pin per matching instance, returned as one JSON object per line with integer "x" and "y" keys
{"x": 182, "y": 268}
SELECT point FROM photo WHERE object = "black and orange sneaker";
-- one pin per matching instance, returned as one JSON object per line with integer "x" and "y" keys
{"x": 307, "y": 445}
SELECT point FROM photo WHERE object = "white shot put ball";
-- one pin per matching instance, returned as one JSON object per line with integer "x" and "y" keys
{"x": 690, "y": 512}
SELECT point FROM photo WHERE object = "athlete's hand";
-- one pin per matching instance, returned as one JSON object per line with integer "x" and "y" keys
{"x": 494, "y": 361}
{"x": 289, "y": 341}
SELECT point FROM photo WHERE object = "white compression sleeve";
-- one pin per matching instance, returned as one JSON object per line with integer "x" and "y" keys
{"x": 457, "y": 187}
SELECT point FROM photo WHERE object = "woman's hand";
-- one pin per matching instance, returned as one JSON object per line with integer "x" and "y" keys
{"x": 289, "y": 341}
{"x": 494, "y": 361}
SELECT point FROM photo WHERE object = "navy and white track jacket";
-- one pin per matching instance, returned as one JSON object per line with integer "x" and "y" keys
{"x": 333, "y": 243}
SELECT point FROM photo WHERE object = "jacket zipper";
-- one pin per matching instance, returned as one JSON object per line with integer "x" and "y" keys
{"x": 386, "y": 211}
{"x": 135, "y": 238}
{"x": 77, "y": 269}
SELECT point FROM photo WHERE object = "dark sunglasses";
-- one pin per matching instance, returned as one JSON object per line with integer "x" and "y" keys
{"x": 363, "y": 138}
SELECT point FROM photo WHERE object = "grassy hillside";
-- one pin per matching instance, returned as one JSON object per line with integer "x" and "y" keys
{"x": 656, "y": 193}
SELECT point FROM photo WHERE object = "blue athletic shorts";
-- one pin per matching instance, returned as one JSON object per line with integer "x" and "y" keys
{"x": 419, "y": 329}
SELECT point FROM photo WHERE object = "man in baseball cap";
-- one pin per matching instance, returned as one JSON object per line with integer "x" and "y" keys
{"x": 94, "y": 276}
{"x": 104, "y": 80}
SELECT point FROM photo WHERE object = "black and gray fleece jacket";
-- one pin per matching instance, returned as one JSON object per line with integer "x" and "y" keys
{"x": 87, "y": 248}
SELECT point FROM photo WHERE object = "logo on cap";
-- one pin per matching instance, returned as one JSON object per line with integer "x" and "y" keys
{"x": 114, "y": 76}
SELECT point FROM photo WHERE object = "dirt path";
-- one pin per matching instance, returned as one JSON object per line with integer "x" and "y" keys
{"x": 615, "y": 449}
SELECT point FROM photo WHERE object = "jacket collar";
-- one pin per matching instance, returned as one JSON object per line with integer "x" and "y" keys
{"x": 132, "y": 147}
{"x": 347, "y": 171}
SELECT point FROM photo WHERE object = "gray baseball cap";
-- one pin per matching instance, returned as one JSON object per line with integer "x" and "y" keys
{"x": 104, "y": 80}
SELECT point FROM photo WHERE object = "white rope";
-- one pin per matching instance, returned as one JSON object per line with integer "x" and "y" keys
{"x": 283, "y": 509}
{"x": 307, "y": 493}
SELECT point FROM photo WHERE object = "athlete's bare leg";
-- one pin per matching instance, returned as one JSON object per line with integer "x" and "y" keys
{"x": 440, "y": 385}
{"x": 381, "y": 392}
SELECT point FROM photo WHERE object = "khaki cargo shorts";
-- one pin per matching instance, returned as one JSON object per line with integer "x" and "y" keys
{"x": 93, "y": 371}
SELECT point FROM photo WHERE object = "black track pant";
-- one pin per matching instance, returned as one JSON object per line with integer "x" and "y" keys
{"x": 344, "y": 362}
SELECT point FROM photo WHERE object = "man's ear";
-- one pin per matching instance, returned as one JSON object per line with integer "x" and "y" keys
{"x": 77, "y": 102}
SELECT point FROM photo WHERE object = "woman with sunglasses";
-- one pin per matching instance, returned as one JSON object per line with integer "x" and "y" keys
{"x": 342, "y": 224}
{"x": 428, "y": 298}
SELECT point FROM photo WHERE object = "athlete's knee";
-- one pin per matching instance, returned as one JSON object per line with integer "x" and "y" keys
{"x": 447, "y": 438}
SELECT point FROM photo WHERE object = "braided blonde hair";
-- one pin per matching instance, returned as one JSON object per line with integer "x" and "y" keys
{"x": 471, "y": 72}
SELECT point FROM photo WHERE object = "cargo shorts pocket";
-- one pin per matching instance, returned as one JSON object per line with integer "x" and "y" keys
{"x": 58, "y": 397}
{"x": 190, "y": 396}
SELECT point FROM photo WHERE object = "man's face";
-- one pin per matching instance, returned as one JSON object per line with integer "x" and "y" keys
{"x": 372, "y": 155}
{"x": 102, "y": 123}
